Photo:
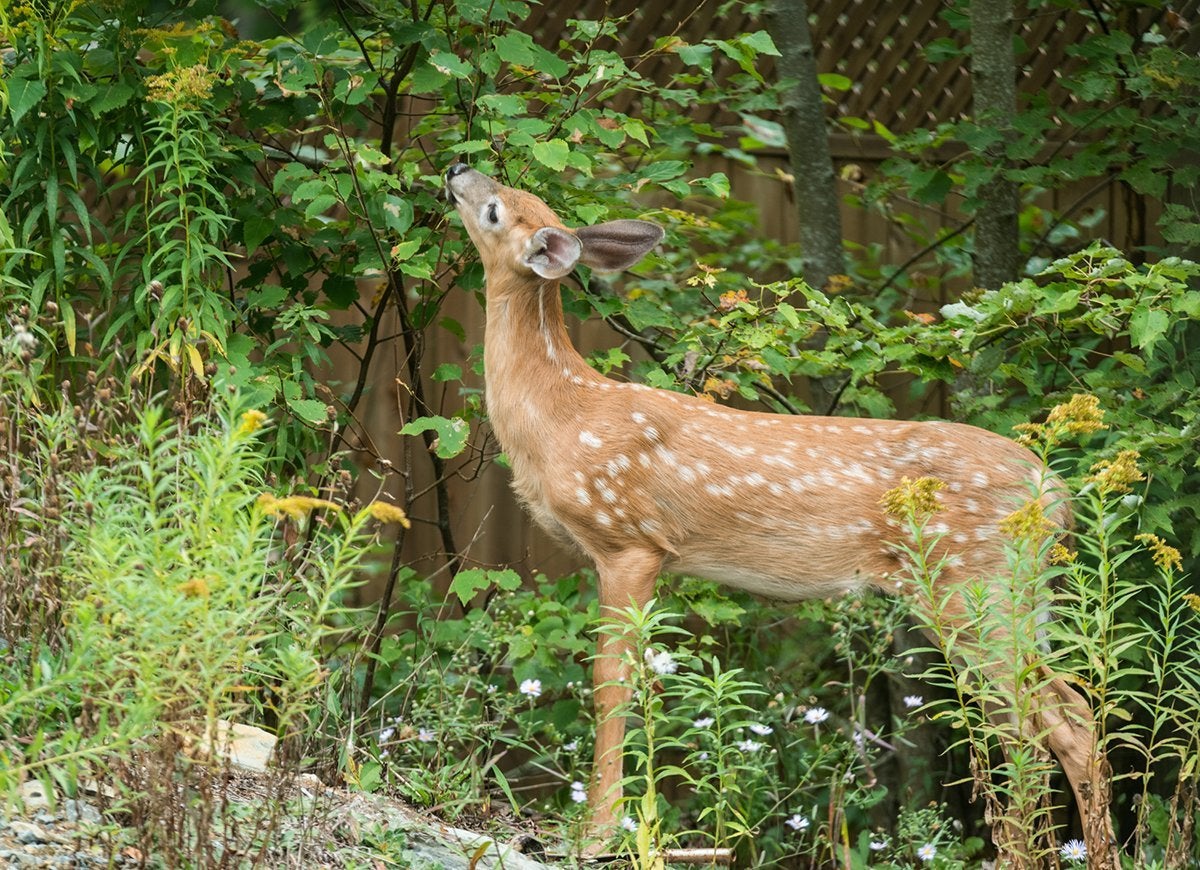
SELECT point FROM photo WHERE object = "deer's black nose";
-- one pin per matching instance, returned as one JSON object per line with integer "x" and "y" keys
{"x": 457, "y": 169}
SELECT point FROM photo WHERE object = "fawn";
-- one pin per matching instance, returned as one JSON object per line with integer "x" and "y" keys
{"x": 645, "y": 480}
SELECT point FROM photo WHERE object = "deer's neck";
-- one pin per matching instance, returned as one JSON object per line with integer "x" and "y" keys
{"x": 534, "y": 375}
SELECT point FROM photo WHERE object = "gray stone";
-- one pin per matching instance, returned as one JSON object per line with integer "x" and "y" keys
{"x": 34, "y": 796}
{"x": 28, "y": 833}
{"x": 81, "y": 811}
{"x": 16, "y": 858}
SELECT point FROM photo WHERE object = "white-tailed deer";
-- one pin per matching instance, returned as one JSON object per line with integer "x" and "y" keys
{"x": 645, "y": 480}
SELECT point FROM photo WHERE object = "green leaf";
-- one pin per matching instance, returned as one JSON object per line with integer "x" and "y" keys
{"x": 452, "y": 433}
{"x": 1147, "y": 325}
{"x": 450, "y": 64}
{"x": 447, "y": 372}
{"x": 254, "y": 230}
{"x": 519, "y": 48}
{"x": 696, "y": 55}
{"x": 762, "y": 43}
{"x": 23, "y": 95}
{"x": 309, "y": 410}
{"x": 467, "y": 584}
{"x": 553, "y": 154}
{"x": 716, "y": 184}
{"x": 112, "y": 97}
{"x": 835, "y": 81}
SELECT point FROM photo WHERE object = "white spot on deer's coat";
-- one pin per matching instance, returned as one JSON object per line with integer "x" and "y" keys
{"x": 589, "y": 440}
{"x": 687, "y": 474}
{"x": 858, "y": 471}
{"x": 666, "y": 456}
{"x": 603, "y": 519}
{"x": 651, "y": 433}
{"x": 796, "y": 485}
{"x": 608, "y": 495}
{"x": 979, "y": 479}
{"x": 861, "y": 430}
{"x": 582, "y": 495}
{"x": 703, "y": 468}
{"x": 776, "y": 489}
{"x": 644, "y": 459}
{"x": 650, "y": 527}
{"x": 638, "y": 417}
{"x": 755, "y": 479}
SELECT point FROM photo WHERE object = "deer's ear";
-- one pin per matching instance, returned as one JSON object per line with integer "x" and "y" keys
{"x": 551, "y": 252}
{"x": 616, "y": 245}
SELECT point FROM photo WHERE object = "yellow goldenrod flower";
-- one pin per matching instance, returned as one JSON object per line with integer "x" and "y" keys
{"x": 1116, "y": 475}
{"x": 1164, "y": 555}
{"x": 297, "y": 507}
{"x": 389, "y": 513}
{"x": 913, "y": 499}
{"x": 251, "y": 422}
{"x": 1028, "y": 522}
{"x": 197, "y": 587}
{"x": 1193, "y": 600}
{"x": 1060, "y": 555}
{"x": 186, "y": 87}
{"x": 1079, "y": 415}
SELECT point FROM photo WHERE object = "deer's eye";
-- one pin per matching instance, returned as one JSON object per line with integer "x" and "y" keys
{"x": 492, "y": 215}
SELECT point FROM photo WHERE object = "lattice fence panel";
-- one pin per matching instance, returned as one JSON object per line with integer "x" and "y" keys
{"x": 880, "y": 45}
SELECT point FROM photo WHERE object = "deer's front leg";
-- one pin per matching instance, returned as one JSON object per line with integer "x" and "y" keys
{"x": 626, "y": 580}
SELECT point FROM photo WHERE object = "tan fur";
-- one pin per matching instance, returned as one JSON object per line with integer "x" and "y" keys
{"x": 787, "y": 507}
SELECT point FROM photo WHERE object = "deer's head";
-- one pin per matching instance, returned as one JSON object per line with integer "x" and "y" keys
{"x": 516, "y": 232}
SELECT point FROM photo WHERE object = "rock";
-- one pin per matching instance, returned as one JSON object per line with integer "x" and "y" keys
{"x": 17, "y": 858}
{"x": 28, "y": 833}
{"x": 245, "y": 746}
{"x": 34, "y": 796}
{"x": 81, "y": 811}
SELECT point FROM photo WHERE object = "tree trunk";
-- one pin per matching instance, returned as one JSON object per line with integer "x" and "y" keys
{"x": 994, "y": 89}
{"x": 814, "y": 182}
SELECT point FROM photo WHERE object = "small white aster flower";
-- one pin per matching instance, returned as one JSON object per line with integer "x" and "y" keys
{"x": 662, "y": 663}
{"x": 815, "y": 715}
{"x": 426, "y": 736}
{"x": 878, "y": 845}
{"x": 927, "y": 852}
{"x": 531, "y": 688}
{"x": 703, "y": 756}
{"x": 911, "y": 701}
{"x": 798, "y": 822}
{"x": 578, "y": 792}
{"x": 572, "y": 746}
{"x": 1074, "y": 850}
{"x": 749, "y": 745}
{"x": 629, "y": 824}
{"x": 492, "y": 689}
{"x": 704, "y": 722}
{"x": 762, "y": 730}
{"x": 386, "y": 734}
